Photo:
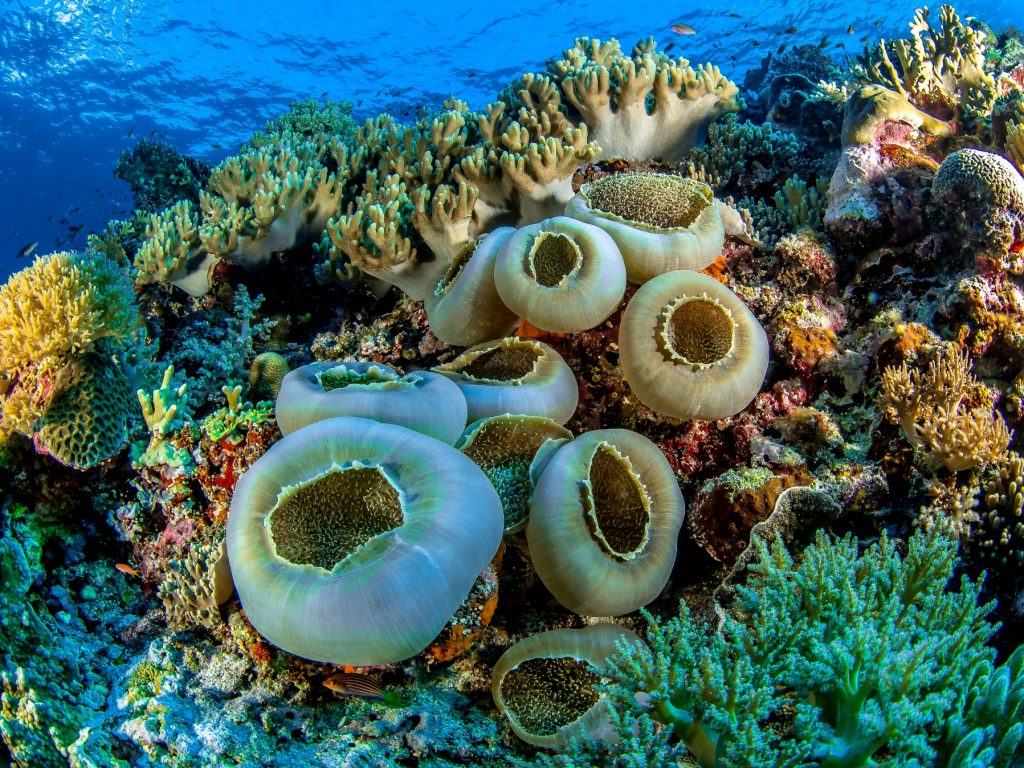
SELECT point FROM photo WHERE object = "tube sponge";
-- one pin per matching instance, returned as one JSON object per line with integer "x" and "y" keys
{"x": 514, "y": 375}
{"x": 353, "y": 542}
{"x": 561, "y": 275}
{"x": 423, "y": 401}
{"x": 546, "y": 684}
{"x": 661, "y": 222}
{"x": 604, "y": 518}
{"x": 690, "y": 348}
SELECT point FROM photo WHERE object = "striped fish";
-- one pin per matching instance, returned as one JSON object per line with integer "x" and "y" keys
{"x": 354, "y": 684}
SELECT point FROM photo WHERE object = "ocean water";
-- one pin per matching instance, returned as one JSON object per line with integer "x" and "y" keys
{"x": 200, "y": 566}
{"x": 81, "y": 81}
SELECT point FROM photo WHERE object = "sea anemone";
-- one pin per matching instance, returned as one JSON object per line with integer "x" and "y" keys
{"x": 546, "y": 684}
{"x": 661, "y": 222}
{"x": 690, "y": 348}
{"x": 604, "y": 518}
{"x": 561, "y": 275}
{"x": 514, "y": 375}
{"x": 353, "y": 542}
{"x": 421, "y": 400}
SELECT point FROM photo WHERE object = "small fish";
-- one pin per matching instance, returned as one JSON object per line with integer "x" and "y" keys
{"x": 669, "y": 47}
{"x": 755, "y": 43}
{"x": 130, "y": 133}
{"x": 76, "y": 228}
{"x": 27, "y": 250}
{"x": 152, "y": 133}
{"x": 217, "y": 147}
{"x": 735, "y": 16}
{"x": 840, "y": 45}
{"x": 791, "y": 31}
{"x": 850, "y": 30}
{"x": 683, "y": 29}
{"x": 354, "y": 684}
{"x": 127, "y": 569}
{"x": 781, "y": 48}
{"x": 878, "y": 23}
{"x": 824, "y": 41}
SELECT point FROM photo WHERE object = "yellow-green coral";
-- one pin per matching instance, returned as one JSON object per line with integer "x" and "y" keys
{"x": 935, "y": 412}
{"x": 62, "y": 305}
{"x": 172, "y": 252}
{"x": 943, "y": 66}
{"x": 1015, "y": 144}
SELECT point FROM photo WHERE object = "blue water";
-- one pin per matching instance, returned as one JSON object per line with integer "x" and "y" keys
{"x": 81, "y": 80}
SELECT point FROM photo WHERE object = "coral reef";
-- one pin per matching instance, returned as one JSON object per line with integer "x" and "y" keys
{"x": 355, "y": 525}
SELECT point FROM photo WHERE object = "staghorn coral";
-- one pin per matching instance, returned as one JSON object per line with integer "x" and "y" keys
{"x": 835, "y": 659}
{"x": 938, "y": 413}
{"x": 645, "y": 105}
{"x": 308, "y": 119}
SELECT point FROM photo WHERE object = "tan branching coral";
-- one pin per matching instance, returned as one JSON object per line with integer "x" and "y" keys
{"x": 1000, "y": 534}
{"x": 952, "y": 508}
{"x": 943, "y": 66}
{"x": 938, "y": 413}
{"x": 644, "y": 105}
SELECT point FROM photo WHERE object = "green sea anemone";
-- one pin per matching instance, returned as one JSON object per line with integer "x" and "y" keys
{"x": 421, "y": 400}
{"x": 353, "y": 542}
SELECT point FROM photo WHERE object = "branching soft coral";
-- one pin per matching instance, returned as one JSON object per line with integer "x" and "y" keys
{"x": 645, "y": 105}
{"x": 937, "y": 413}
{"x": 837, "y": 660}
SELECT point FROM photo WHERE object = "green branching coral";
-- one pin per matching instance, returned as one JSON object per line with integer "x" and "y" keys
{"x": 308, "y": 119}
{"x": 794, "y": 207}
{"x": 837, "y": 659}
{"x": 941, "y": 67}
{"x": 734, "y": 147}
{"x": 160, "y": 175}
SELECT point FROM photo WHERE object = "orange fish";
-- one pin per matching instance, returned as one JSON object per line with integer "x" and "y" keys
{"x": 125, "y": 568}
{"x": 683, "y": 29}
{"x": 354, "y": 684}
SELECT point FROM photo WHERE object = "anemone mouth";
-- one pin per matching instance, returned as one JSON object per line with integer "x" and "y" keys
{"x": 324, "y": 520}
{"x": 545, "y": 694}
{"x": 341, "y": 376}
{"x": 616, "y": 505}
{"x": 512, "y": 361}
{"x": 454, "y": 271}
{"x": 554, "y": 259}
{"x": 697, "y": 331}
{"x": 658, "y": 200}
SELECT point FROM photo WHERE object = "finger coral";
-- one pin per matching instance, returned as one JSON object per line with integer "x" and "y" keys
{"x": 604, "y": 518}
{"x": 172, "y": 252}
{"x": 514, "y": 375}
{"x": 560, "y": 275}
{"x": 943, "y": 66}
{"x": 547, "y": 684}
{"x": 660, "y": 222}
{"x": 423, "y": 401}
{"x": 690, "y": 348}
{"x": 645, "y": 105}
{"x": 353, "y": 542}
{"x": 938, "y": 412}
